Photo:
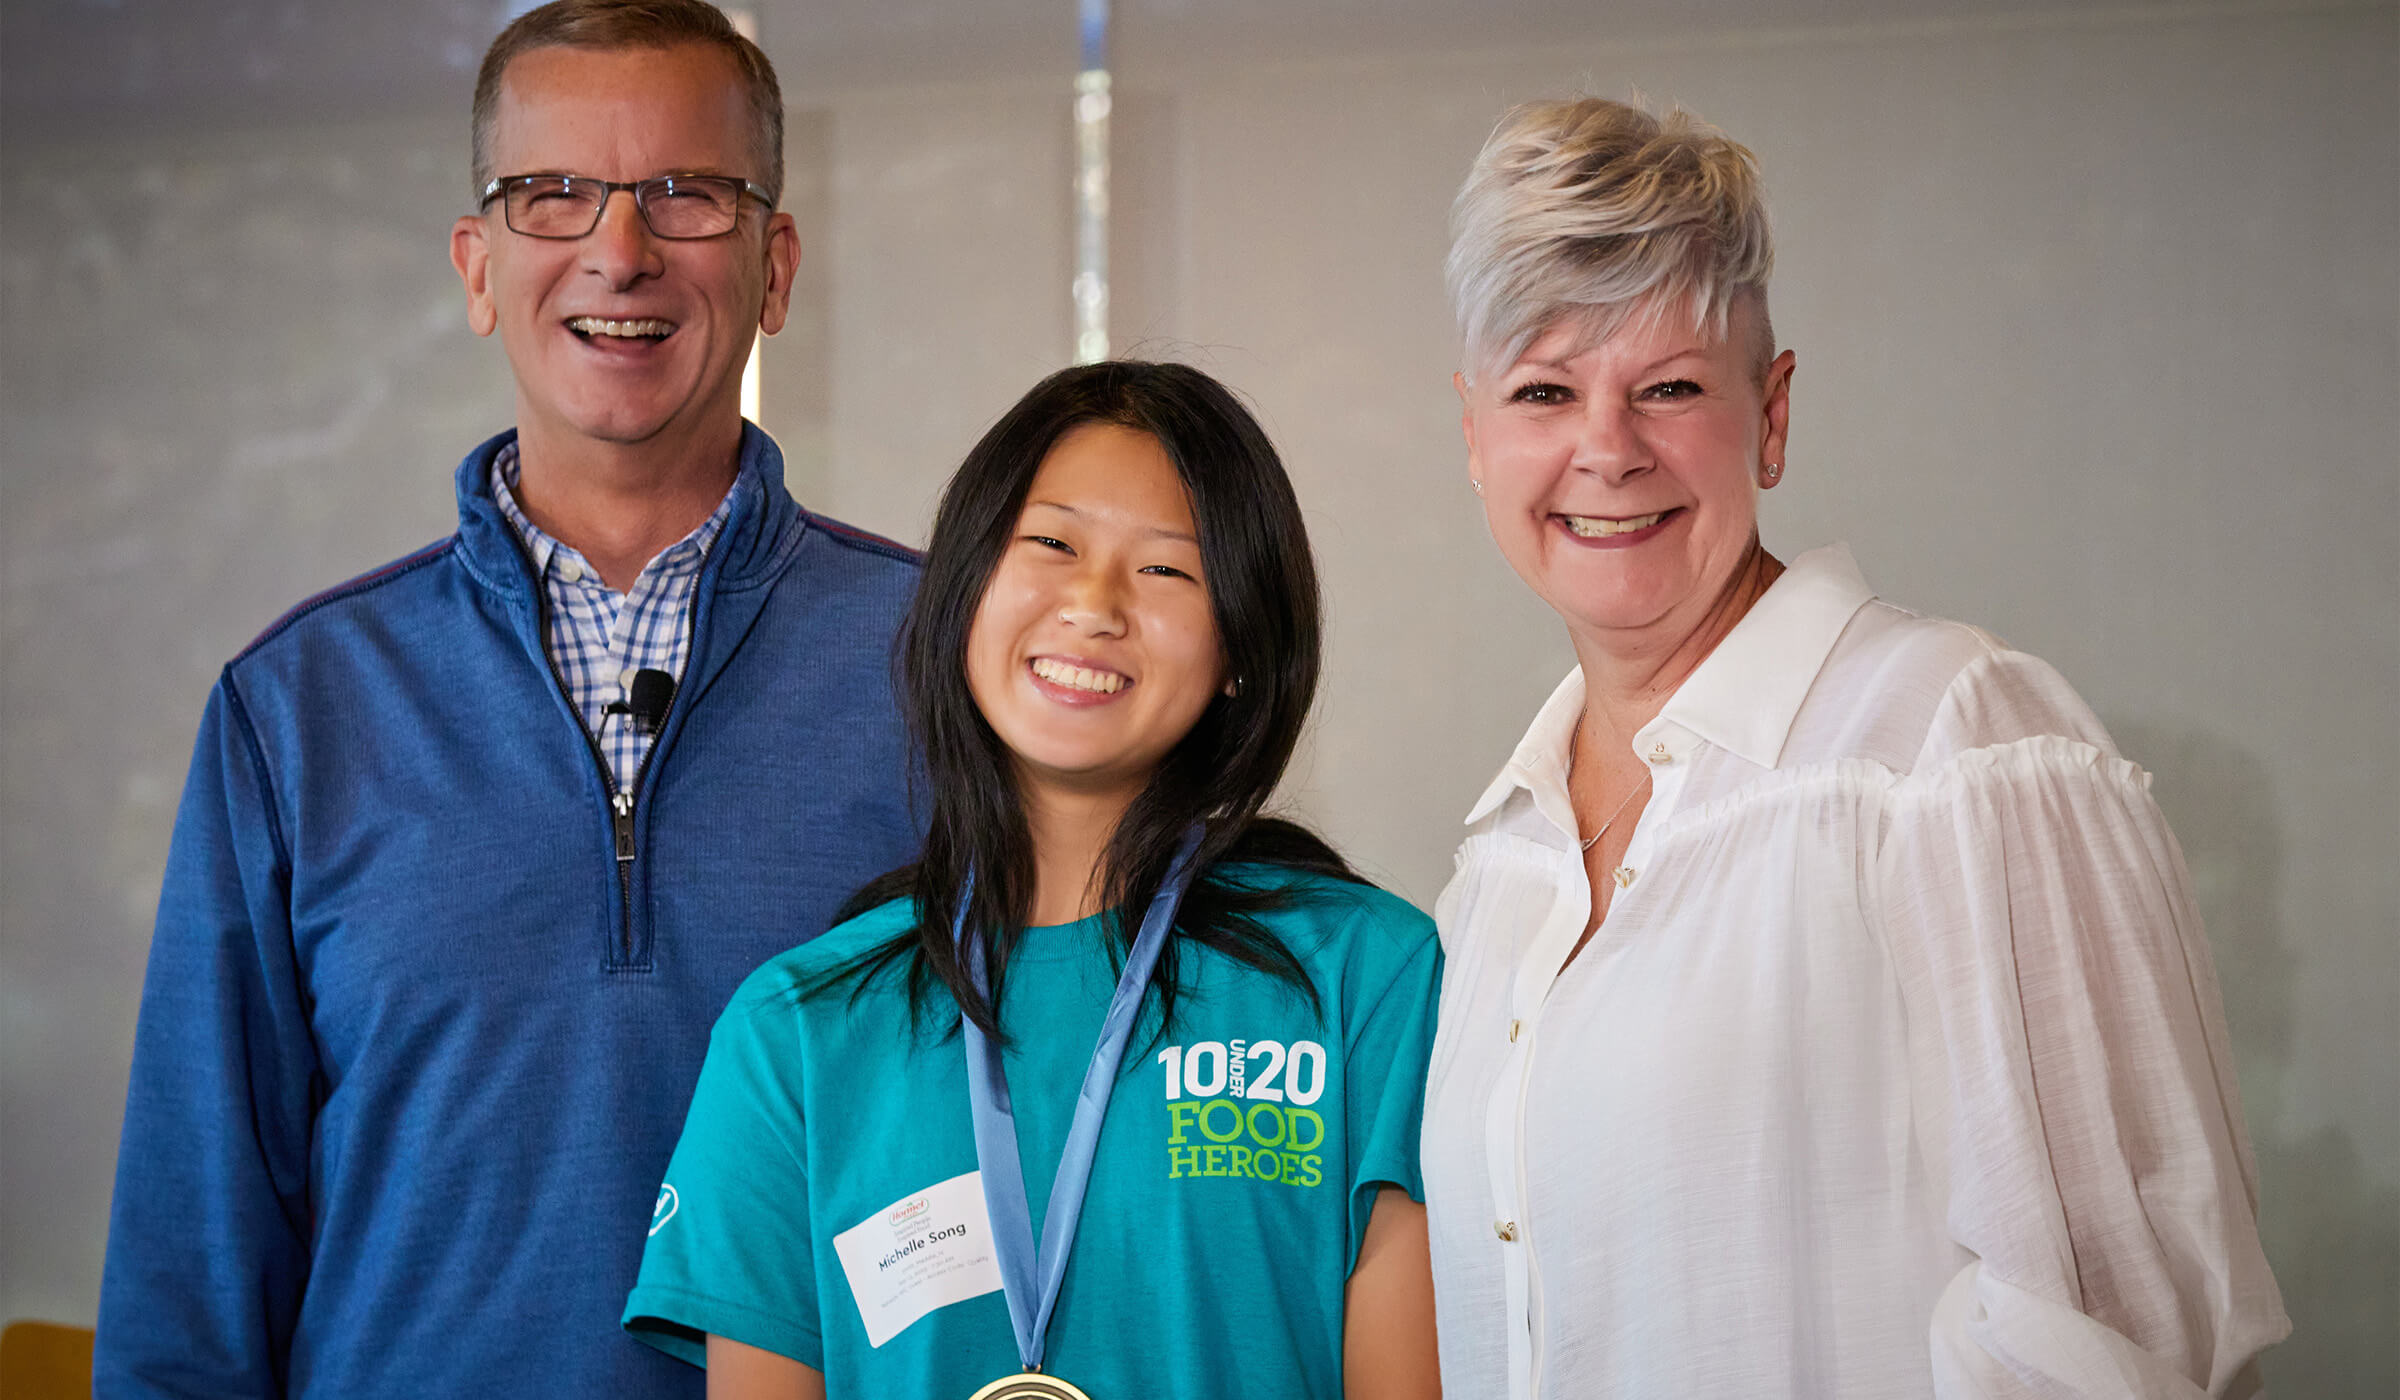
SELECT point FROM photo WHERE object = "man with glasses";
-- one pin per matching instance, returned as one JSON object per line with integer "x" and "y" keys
{"x": 476, "y": 847}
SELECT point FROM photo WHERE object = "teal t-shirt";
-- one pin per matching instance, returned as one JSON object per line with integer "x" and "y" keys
{"x": 1240, "y": 1159}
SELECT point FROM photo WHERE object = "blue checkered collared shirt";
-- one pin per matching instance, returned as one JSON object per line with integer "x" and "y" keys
{"x": 599, "y": 637}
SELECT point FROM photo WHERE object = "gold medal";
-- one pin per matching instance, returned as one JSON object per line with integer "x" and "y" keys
{"x": 1029, "y": 1385}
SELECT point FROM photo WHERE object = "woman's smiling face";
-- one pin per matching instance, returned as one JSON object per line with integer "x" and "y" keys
{"x": 1620, "y": 479}
{"x": 1094, "y": 649}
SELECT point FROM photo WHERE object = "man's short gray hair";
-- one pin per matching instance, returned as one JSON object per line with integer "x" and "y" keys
{"x": 633, "y": 24}
{"x": 1596, "y": 211}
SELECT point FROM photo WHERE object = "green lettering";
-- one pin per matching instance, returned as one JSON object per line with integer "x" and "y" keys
{"x": 1208, "y": 1120}
{"x": 1290, "y": 1165}
{"x": 1212, "y": 1161}
{"x": 1310, "y": 1114}
{"x": 1251, "y": 1120}
{"x": 1309, "y": 1165}
{"x": 1265, "y": 1166}
{"x": 1179, "y": 1117}
{"x": 1241, "y": 1161}
{"x": 1182, "y": 1161}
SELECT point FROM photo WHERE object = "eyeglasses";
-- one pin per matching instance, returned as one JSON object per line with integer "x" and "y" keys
{"x": 569, "y": 206}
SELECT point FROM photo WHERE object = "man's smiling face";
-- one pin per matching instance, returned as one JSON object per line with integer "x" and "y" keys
{"x": 621, "y": 337}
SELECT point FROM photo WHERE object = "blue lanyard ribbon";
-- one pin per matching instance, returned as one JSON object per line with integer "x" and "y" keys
{"x": 996, "y": 1122}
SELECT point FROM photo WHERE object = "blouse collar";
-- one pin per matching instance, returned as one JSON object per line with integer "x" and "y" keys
{"x": 1743, "y": 697}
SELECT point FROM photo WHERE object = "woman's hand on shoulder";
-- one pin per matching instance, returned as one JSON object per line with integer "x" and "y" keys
{"x": 738, "y": 1371}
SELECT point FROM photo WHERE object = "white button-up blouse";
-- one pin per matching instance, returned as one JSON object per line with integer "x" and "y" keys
{"x": 1897, "y": 1068}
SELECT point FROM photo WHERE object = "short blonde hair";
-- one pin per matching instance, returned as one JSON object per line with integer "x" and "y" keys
{"x": 1598, "y": 211}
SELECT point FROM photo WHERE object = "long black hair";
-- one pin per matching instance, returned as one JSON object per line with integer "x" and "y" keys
{"x": 1262, "y": 590}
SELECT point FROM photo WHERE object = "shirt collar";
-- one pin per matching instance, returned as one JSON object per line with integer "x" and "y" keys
{"x": 1743, "y": 697}
{"x": 504, "y": 482}
{"x": 691, "y": 549}
{"x": 1539, "y": 764}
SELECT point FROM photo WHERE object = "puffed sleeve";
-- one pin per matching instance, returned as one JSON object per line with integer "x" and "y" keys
{"x": 2073, "y": 1071}
{"x": 729, "y": 1252}
{"x": 208, "y": 1230}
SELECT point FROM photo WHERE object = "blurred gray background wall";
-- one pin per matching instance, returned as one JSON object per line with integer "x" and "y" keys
{"x": 2097, "y": 312}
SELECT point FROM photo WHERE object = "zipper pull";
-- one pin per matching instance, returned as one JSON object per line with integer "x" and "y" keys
{"x": 623, "y": 803}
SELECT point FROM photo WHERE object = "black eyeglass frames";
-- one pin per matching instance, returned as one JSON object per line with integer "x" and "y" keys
{"x": 569, "y": 206}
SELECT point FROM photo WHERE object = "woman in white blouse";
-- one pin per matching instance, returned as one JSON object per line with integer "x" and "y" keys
{"x": 1826, "y": 1014}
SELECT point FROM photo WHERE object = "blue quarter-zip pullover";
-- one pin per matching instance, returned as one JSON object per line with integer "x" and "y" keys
{"x": 428, "y": 993}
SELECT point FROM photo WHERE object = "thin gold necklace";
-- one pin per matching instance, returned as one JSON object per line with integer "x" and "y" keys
{"x": 1594, "y": 839}
{"x": 1575, "y": 739}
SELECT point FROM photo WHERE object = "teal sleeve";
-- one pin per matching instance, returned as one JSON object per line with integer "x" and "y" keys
{"x": 1385, "y": 1056}
{"x": 729, "y": 1252}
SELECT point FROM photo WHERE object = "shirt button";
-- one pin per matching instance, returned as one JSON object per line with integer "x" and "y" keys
{"x": 1624, "y": 874}
{"x": 1659, "y": 755}
{"x": 1513, "y": 1028}
{"x": 1505, "y": 1229}
{"x": 571, "y": 571}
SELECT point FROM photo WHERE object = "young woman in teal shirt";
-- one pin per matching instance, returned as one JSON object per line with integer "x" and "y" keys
{"x": 1112, "y": 1006}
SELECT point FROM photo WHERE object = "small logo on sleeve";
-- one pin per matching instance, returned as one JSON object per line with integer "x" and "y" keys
{"x": 664, "y": 1211}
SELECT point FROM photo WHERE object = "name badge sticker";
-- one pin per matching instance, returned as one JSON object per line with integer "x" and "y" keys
{"x": 924, "y": 1251}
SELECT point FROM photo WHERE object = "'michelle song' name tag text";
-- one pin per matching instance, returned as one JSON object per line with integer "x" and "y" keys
{"x": 924, "y": 1251}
